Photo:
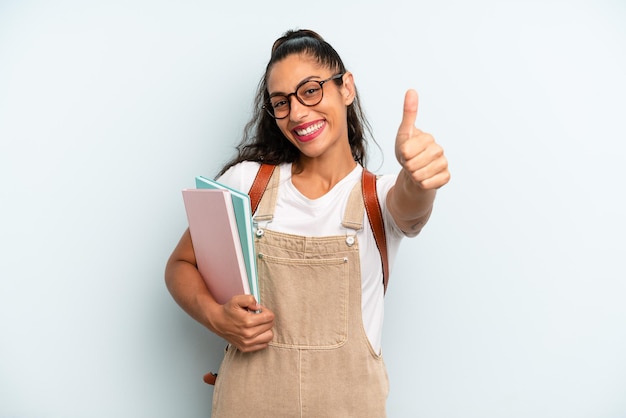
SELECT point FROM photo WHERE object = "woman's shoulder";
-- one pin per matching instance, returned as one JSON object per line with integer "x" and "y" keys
{"x": 241, "y": 175}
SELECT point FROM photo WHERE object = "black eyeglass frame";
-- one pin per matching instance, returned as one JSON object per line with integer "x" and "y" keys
{"x": 268, "y": 105}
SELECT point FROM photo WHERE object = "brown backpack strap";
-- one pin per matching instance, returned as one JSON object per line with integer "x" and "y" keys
{"x": 259, "y": 184}
{"x": 210, "y": 378}
{"x": 375, "y": 216}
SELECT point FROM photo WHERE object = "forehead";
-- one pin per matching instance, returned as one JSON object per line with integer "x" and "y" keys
{"x": 287, "y": 73}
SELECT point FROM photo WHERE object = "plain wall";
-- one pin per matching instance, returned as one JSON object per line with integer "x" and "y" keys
{"x": 509, "y": 304}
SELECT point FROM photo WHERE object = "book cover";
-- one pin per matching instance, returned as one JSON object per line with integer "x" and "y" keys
{"x": 215, "y": 239}
{"x": 243, "y": 214}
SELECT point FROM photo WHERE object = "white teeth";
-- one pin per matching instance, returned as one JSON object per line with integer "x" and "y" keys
{"x": 310, "y": 129}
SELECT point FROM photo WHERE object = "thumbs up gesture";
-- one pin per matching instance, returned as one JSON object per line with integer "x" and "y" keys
{"x": 417, "y": 152}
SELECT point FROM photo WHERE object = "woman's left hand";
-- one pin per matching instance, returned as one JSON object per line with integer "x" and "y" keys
{"x": 417, "y": 152}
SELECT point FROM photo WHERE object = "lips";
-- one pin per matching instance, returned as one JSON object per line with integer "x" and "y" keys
{"x": 308, "y": 131}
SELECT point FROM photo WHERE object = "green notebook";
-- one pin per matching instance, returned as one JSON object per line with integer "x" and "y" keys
{"x": 243, "y": 213}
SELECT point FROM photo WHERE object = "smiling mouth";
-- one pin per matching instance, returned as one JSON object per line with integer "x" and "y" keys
{"x": 311, "y": 129}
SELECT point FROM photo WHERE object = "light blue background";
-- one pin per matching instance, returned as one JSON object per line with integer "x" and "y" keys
{"x": 510, "y": 303}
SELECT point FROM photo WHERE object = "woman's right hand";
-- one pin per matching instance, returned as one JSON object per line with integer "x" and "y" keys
{"x": 235, "y": 321}
{"x": 243, "y": 323}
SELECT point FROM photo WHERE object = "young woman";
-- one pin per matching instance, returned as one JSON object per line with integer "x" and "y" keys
{"x": 314, "y": 349}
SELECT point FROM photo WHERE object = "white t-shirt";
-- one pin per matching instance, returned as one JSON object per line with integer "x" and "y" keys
{"x": 299, "y": 215}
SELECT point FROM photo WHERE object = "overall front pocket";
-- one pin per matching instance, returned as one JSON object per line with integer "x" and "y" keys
{"x": 309, "y": 298}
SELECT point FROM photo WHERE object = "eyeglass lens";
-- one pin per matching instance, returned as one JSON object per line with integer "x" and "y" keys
{"x": 309, "y": 94}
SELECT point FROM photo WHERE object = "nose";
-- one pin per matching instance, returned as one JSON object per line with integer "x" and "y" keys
{"x": 297, "y": 110}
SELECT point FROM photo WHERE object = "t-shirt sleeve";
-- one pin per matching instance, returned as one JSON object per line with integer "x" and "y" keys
{"x": 240, "y": 176}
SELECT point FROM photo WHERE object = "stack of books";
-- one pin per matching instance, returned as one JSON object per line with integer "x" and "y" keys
{"x": 220, "y": 223}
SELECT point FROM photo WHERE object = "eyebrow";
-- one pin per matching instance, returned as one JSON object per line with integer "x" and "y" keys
{"x": 280, "y": 93}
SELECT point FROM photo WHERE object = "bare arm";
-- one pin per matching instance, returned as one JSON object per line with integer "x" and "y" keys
{"x": 234, "y": 321}
{"x": 424, "y": 170}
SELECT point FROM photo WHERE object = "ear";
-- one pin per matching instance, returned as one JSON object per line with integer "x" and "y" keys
{"x": 348, "y": 90}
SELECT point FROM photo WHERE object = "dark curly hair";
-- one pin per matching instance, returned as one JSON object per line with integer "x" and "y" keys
{"x": 262, "y": 139}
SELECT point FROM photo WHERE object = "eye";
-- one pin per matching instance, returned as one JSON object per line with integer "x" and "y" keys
{"x": 310, "y": 90}
{"x": 279, "y": 102}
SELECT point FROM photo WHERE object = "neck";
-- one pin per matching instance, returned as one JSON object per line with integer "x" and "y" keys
{"x": 315, "y": 177}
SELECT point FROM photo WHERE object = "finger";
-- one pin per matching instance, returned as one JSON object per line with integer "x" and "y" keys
{"x": 262, "y": 316}
{"x": 244, "y": 311}
{"x": 246, "y": 302}
{"x": 437, "y": 181}
{"x": 432, "y": 174}
{"x": 256, "y": 338}
{"x": 410, "y": 112}
{"x": 257, "y": 317}
{"x": 248, "y": 348}
{"x": 418, "y": 144}
{"x": 420, "y": 152}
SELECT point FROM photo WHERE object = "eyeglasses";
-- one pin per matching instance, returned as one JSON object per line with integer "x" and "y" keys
{"x": 309, "y": 93}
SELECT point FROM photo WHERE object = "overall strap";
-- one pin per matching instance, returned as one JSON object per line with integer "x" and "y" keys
{"x": 355, "y": 209}
{"x": 370, "y": 200}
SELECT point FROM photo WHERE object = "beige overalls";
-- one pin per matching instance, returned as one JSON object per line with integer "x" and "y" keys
{"x": 320, "y": 362}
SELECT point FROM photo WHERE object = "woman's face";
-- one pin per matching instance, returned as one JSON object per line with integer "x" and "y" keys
{"x": 319, "y": 130}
